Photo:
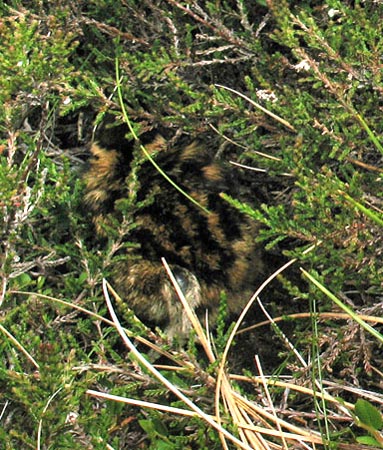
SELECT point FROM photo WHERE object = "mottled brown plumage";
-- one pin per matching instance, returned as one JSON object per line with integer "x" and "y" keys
{"x": 208, "y": 252}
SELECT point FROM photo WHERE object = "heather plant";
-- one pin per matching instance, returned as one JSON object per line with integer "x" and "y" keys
{"x": 291, "y": 90}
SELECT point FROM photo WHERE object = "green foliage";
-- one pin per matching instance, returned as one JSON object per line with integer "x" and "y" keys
{"x": 369, "y": 418}
{"x": 368, "y": 414}
{"x": 315, "y": 72}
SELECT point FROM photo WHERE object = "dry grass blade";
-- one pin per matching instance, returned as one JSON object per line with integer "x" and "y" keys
{"x": 148, "y": 366}
{"x": 264, "y": 155}
{"x": 301, "y": 389}
{"x": 268, "y": 396}
{"x": 202, "y": 336}
{"x": 260, "y": 107}
{"x": 221, "y": 372}
{"x": 307, "y": 315}
{"x": 282, "y": 335}
{"x": 40, "y": 427}
{"x": 143, "y": 404}
{"x": 236, "y": 402}
{"x": 243, "y": 412}
{"x": 19, "y": 346}
{"x": 254, "y": 440}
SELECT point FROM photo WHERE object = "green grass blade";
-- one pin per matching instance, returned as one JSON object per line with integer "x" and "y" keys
{"x": 344, "y": 307}
{"x": 370, "y": 133}
{"x": 367, "y": 211}
{"x": 142, "y": 147}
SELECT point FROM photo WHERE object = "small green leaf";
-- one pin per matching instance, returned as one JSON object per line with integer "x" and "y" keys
{"x": 160, "y": 427}
{"x": 147, "y": 426}
{"x": 368, "y": 440}
{"x": 162, "y": 445}
{"x": 153, "y": 427}
{"x": 368, "y": 414}
{"x": 23, "y": 281}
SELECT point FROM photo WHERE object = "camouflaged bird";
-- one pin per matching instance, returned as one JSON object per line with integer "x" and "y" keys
{"x": 209, "y": 252}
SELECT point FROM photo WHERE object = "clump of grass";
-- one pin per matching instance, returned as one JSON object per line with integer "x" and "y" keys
{"x": 258, "y": 424}
{"x": 301, "y": 104}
